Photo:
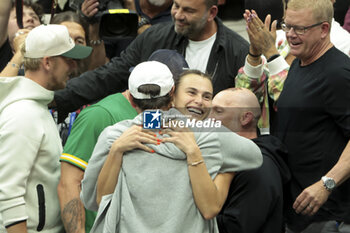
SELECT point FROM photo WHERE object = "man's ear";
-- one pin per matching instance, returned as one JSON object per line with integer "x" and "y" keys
{"x": 131, "y": 99}
{"x": 46, "y": 62}
{"x": 213, "y": 11}
{"x": 326, "y": 29}
{"x": 246, "y": 118}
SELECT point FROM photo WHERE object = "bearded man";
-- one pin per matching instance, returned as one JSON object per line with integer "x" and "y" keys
{"x": 195, "y": 32}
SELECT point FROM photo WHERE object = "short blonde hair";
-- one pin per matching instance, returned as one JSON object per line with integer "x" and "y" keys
{"x": 32, "y": 64}
{"x": 322, "y": 9}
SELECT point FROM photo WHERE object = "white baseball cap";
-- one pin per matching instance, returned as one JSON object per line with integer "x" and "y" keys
{"x": 53, "y": 40}
{"x": 150, "y": 72}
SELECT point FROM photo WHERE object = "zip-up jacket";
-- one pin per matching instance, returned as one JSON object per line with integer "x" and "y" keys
{"x": 226, "y": 57}
{"x": 30, "y": 148}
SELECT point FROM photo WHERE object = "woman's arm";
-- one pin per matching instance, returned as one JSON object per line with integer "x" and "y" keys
{"x": 209, "y": 195}
{"x": 132, "y": 138}
{"x": 16, "y": 61}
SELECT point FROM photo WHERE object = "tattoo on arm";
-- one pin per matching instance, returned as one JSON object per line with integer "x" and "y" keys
{"x": 72, "y": 215}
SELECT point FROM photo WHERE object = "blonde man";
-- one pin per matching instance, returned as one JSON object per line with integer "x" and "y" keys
{"x": 313, "y": 121}
{"x": 29, "y": 142}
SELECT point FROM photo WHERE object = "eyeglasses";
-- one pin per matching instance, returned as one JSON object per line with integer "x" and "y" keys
{"x": 299, "y": 30}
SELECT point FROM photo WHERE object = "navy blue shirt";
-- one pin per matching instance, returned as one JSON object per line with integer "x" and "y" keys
{"x": 160, "y": 18}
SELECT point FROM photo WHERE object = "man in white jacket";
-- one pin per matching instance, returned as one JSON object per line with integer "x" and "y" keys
{"x": 29, "y": 142}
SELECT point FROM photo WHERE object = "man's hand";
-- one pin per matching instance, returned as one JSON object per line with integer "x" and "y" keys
{"x": 262, "y": 36}
{"x": 311, "y": 199}
{"x": 19, "y": 39}
{"x": 19, "y": 227}
{"x": 89, "y": 7}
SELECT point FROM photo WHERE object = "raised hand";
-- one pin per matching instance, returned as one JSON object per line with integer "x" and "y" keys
{"x": 89, "y": 7}
{"x": 262, "y": 36}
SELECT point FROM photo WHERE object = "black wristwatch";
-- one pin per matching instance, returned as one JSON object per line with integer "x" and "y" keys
{"x": 273, "y": 57}
{"x": 328, "y": 183}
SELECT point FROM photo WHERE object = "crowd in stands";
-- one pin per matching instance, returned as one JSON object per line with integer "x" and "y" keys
{"x": 153, "y": 116}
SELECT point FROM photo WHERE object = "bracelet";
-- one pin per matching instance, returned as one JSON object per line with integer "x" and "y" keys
{"x": 253, "y": 55}
{"x": 14, "y": 65}
{"x": 273, "y": 57}
{"x": 195, "y": 163}
{"x": 95, "y": 42}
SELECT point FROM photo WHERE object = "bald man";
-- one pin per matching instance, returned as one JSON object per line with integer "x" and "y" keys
{"x": 255, "y": 200}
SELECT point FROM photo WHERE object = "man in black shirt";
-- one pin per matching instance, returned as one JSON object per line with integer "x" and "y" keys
{"x": 313, "y": 121}
{"x": 255, "y": 200}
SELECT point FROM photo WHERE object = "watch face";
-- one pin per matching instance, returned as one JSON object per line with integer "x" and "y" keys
{"x": 330, "y": 184}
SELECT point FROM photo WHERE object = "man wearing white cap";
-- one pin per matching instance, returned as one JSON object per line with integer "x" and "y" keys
{"x": 29, "y": 142}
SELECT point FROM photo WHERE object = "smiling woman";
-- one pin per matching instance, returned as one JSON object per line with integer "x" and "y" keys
{"x": 193, "y": 94}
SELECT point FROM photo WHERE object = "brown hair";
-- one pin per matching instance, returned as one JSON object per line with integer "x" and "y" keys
{"x": 37, "y": 8}
{"x": 187, "y": 72}
{"x": 153, "y": 103}
{"x": 70, "y": 16}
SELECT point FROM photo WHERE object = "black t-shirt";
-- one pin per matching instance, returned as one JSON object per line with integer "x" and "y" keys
{"x": 313, "y": 121}
{"x": 255, "y": 199}
{"x": 5, "y": 54}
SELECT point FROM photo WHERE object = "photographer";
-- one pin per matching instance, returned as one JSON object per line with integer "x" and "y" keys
{"x": 149, "y": 12}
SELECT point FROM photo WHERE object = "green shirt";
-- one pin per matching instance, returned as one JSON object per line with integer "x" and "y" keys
{"x": 86, "y": 130}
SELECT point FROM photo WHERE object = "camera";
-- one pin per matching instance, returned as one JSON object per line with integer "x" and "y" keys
{"x": 115, "y": 21}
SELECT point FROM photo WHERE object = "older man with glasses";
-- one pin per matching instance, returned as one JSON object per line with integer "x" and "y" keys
{"x": 313, "y": 120}
{"x": 265, "y": 75}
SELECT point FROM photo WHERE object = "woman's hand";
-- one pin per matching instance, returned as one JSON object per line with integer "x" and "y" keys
{"x": 209, "y": 195}
{"x": 184, "y": 139}
{"x": 135, "y": 138}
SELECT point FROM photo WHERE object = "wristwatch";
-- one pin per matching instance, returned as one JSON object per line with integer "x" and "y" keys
{"x": 143, "y": 21}
{"x": 328, "y": 183}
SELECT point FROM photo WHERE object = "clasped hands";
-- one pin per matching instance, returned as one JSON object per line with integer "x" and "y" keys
{"x": 136, "y": 137}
